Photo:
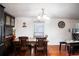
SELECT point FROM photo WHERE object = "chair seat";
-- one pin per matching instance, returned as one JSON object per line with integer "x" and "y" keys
{"x": 24, "y": 48}
{"x": 40, "y": 48}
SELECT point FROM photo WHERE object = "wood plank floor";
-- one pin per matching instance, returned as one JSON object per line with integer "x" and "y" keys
{"x": 53, "y": 50}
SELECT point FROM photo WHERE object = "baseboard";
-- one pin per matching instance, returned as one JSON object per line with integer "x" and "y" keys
{"x": 53, "y": 44}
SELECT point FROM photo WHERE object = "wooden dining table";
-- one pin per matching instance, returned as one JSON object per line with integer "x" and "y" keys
{"x": 32, "y": 42}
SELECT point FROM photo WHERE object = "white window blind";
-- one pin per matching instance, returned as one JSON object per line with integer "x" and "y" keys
{"x": 39, "y": 28}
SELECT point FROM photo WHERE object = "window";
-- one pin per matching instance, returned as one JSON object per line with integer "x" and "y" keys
{"x": 39, "y": 29}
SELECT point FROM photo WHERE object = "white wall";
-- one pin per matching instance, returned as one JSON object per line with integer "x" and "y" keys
{"x": 55, "y": 34}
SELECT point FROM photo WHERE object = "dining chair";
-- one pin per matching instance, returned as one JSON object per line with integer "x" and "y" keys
{"x": 41, "y": 46}
{"x": 25, "y": 46}
{"x": 16, "y": 47}
{"x": 8, "y": 45}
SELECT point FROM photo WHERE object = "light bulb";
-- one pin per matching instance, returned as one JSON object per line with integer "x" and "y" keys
{"x": 46, "y": 17}
{"x": 38, "y": 17}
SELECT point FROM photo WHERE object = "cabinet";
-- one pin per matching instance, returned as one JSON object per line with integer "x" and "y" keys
{"x": 9, "y": 22}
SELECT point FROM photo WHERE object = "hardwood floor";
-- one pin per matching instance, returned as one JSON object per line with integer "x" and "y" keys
{"x": 53, "y": 50}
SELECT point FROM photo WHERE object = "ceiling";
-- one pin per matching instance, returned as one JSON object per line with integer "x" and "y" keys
{"x": 67, "y": 10}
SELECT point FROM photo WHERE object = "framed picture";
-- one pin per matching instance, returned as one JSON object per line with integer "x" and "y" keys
{"x": 7, "y": 20}
{"x": 12, "y": 21}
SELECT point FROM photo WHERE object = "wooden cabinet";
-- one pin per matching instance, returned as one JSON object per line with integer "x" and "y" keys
{"x": 6, "y": 24}
{"x": 9, "y": 23}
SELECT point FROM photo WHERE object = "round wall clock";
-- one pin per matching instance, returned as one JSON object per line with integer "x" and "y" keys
{"x": 61, "y": 24}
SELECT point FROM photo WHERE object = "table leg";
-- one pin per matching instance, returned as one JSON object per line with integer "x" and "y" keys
{"x": 65, "y": 47}
{"x": 60, "y": 47}
{"x": 69, "y": 50}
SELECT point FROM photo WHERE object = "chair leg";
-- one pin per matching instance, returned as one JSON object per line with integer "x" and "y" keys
{"x": 15, "y": 52}
{"x": 30, "y": 52}
{"x": 46, "y": 53}
{"x": 35, "y": 51}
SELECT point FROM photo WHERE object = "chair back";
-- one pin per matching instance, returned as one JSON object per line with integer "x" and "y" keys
{"x": 41, "y": 41}
{"x": 23, "y": 40}
{"x": 16, "y": 44}
{"x": 41, "y": 38}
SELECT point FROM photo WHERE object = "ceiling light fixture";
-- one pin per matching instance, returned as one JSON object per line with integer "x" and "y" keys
{"x": 43, "y": 16}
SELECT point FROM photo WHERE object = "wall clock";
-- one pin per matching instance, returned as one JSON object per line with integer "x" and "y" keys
{"x": 61, "y": 24}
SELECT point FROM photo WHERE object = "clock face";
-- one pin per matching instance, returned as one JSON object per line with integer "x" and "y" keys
{"x": 61, "y": 24}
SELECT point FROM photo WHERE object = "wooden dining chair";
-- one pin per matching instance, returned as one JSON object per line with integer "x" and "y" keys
{"x": 41, "y": 46}
{"x": 16, "y": 47}
{"x": 25, "y": 46}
